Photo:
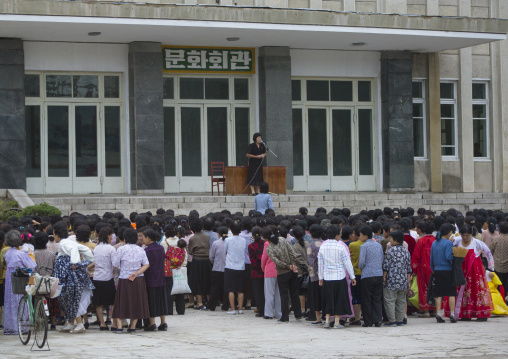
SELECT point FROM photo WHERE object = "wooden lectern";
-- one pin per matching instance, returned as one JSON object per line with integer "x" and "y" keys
{"x": 236, "y": 179}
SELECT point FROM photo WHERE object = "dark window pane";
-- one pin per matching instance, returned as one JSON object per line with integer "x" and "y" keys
{"x": 296, "y": 90}
{"x": 480, "y": 138}
{"x": 418, "y": 138}
{"x": 32, "y": 86}
{"x": 417, "y": 89}
{"x": 342, "y": 146}
{"x": 217, "y": 132}
{"x": 58, "y": 86}
{"x": 168, "y": 88}
{"x": 447, "y": 90}
{"x": 86, "y": 86}
{"x": 297, "y": 142}
{"x": 448, "y": 132}
{"x": 341, "y": 90}
{"x": 447, "y": 111}
{"x": 241, "y": 89}
{"x": 169, "y": 142}
{"x": 241, "y": 134}
{"x": 318, "y": 90}
{"x": 364, "y": 91}
{"x": 479, "y": 111}
{"x": 58, "y": 141}
{"x": 417, "y": 110}
{"x": 318, "y": 154}
{"x": 191, "y": 141}
{"x": 111, "y": 86}
{"x": 479, "y": 91}
{"x": 113, "y": 138}
{"x": 33, "y": 140}
{"x": 365, "y": 155}
{"x": 191, "y": 89}
{"x": 448, "y": 151}
{"x": 85, "y": 140}
{"x": 216, "y": 89}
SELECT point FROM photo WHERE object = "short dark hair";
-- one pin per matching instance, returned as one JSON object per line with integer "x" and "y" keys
{"x": 181, "y": 244}
{"x": 366, "y": 231}
{"x": 130, "y": 235}
{"x": 375, "y": 226}
{"x": 235, "y": 228}
{"x": 332, "y": 231}
{"x": 254, "y": 136}
{"x": 104, "y": 234}
{"x": 83, "y": 233}
{"x": 151, "y": 234}
{"x": 40, "y": 240}
{"x": 60, "y": 229}
{"x": 263, "y": 187}
{"x": 503, "y": 227}
{"x": 196, "y": 225}
{"x": 398, "y": 236}
{"x": 346, "y": 231}
{"x": 446, "y": 228}
{"x": 209, "y": 223}
{"x": 266, "y": 232}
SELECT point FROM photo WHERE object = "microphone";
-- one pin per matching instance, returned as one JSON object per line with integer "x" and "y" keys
{"x": 265, "y": 145}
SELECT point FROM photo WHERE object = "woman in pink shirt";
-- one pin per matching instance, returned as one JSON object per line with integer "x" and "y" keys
{"x": 272, "y": 294}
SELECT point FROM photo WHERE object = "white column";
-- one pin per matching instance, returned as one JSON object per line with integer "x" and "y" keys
{"x": 349, "y": 5}
{"x": 432, "y": 7}
{"x": 316, "y": 4}
{"x": 394, "y": 6}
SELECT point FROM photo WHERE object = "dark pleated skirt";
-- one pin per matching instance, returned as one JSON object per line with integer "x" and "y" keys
{"x": 131, "y": 300}
{"x": 201, "y": 277}
{"x": 104, "y": 293}
{"x": 444, "y": 284}
{"x": 315, "y": 296}
{"x": 234, "y": 281}
{"x": 157, "y": 301}
{"x": 336, "y": 297}
{"x": 254, "y": 178}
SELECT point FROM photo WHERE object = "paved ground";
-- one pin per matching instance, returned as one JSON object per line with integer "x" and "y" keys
{"x": 217, "y": 335}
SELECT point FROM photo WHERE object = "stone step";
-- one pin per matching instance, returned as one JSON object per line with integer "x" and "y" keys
{"x": 283, "y": 204}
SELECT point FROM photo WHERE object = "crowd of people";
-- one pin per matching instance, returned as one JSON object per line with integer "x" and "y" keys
{"x": 332, "y": 269}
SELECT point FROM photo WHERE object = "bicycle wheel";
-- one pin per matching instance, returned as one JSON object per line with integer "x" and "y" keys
{"x": 24, "y": 319}
{"x": 40, "y": 324}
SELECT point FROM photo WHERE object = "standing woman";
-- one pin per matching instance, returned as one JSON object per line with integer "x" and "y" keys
{"x": 155, "y": 280}
{"x": 256, "y": 151}
{"x": 13, "y": 258}
{"x": 272, "y": 308}
{"x": 218, "y": 259}
{"x": 131, "y": 300}
{"x": 105, "y": 291}
{"x": 300, "y": 248}
{"x": 474, "y": 299}
{"x": 441, "y": 264}
{"x": 257, "y": 275}
{"x": 199, "y": 248}
{"x": 420, "y": 263}
{"x": 315, "y": 292}
{"x": 490, "y": 231}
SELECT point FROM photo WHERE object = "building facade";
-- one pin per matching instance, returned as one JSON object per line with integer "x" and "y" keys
{"x": 124, "y": 97}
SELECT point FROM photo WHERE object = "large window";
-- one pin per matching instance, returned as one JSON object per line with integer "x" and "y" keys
{"x": 480, "y": 120}
{"x": 419, "y": 127}
{"x": 449, "y": 119}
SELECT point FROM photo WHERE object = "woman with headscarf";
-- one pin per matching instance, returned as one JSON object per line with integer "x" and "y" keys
{"x": 14, "y": 257}
{"x": 256, "y": 151}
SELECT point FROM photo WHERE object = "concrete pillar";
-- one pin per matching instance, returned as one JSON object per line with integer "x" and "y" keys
{"x": 349, "y": 5}
{"x": 465, "y": 120}
{"x": 397, "y": 120}
{"x": 432, "y": 7}
{"x": 275, "y": 107}
{"x": 393, "y": 6}
{"x": 12, "y": 115}
{"x": 434, "y": 115}
{"x": 146, "y": 125}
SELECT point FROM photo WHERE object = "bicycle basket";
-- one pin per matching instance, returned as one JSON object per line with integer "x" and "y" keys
{"x": 19, "y": 284}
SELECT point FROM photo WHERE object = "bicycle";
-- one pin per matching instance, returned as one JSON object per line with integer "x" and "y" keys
{"x": 33, "y": 311}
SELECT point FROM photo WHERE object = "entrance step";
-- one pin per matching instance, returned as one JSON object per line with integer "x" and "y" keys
{"x": 283, "y": 204}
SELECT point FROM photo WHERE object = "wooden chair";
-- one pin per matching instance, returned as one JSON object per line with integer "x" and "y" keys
{"x": 218, "y": 177}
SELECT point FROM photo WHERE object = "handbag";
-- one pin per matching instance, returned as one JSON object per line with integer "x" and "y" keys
{"x": 180, "y": 285}
{"x": 431, "y": 297}
{"x": 412, "y": 294}
{"x": 304, "y": 281}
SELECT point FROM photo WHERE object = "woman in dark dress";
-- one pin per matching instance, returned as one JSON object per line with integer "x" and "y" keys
{"x": 256, "y": 151}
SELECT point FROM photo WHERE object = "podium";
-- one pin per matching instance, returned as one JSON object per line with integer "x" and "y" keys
{"x": 236, "y": 179}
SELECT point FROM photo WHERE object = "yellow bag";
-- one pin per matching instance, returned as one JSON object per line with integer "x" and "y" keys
{"x": 414, "y": 299}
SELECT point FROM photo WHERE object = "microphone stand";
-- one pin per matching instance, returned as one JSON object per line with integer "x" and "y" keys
{"x": 267, "y": 167}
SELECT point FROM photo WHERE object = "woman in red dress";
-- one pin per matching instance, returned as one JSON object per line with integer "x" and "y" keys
{"x": 420, "y": 262}
{"x": 473, "y": 300}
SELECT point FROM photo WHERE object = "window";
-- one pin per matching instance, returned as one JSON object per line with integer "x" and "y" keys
{"x": 448, "y": 119}
{"x": 480, "y": 120}
{"x": 419, "y": 127}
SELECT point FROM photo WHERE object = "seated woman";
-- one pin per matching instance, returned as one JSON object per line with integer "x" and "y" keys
{"x": 263, "y": 201}
{"x": 131, "y": 300}
{"x": 14, "y": 257}
{"x": 496, "y": 291}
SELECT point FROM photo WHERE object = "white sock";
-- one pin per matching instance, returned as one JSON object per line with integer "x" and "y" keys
{"x": 79, "y": 326}
{"x": 440, "y": 312}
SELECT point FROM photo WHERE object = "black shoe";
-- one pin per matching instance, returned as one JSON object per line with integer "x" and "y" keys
{"x": 358, "y": 323}
{"x": 481, "y": 319}
{"x": 378, "y": 325}
{"x": 163, "y": 327}
{"x": 98, "y": 323}
{"x": 139, "y": 325}
{"x": 404, "y": 321}
{"x": 151, "y": 328}
{"x": 342, "y": 322}
{"x": 439, "y": 319}
{"x": 104, "y": 328}
{"x": 310, "y": 319}
{"x": 465, "y": 319}
{"x": 259, "y": 315}
{"x": 86, "y": 325}
{"x": 452, "y": 319}
{"x": 268, "y": 318}
{"x": 366, "y": 325}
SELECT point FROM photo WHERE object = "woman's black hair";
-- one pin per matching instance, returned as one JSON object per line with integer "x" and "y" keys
{"x": 222, "y": 232}
{"x": 398, "y": 236}
{"x": 266, "y": 232}
{"x": 303, "y": 211}
{"x": 503, "y": 227}
{"x": 254, "y": 136}
{"x": 273, "y": 239}
{"x": 492, "y": 222}
{"x": 316, "y": 231}
{"x": 104, "y": 234}
{"x": 169, "y": 231}
{"x": 263, "y": 187}
{"x": 366, "y": 231}
{"x": 283, "y": 232}
{"x": 298, "y": 233}
{"x": 131, "y": 236}
{"x": 347, "y": 230}
{"x": 444, "y": 230}
{"x": 196, "y": 225}
{"x": 181, "y": 244}
{"x": 60, "y": 229}
{"x": 256, "y": 233}
{"x": 152, "y": 234}
{"x": 83, "y": 233}
{"x": 466, "y": 228}
{"x": 40, "y": 240}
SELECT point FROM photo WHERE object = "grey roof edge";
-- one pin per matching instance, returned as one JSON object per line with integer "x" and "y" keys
{"x": 116, "y": 9}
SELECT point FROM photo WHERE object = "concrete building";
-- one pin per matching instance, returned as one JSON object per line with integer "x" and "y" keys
{"x": 365, "y": 95}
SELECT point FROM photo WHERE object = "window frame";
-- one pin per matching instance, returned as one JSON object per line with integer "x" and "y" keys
{"x": 422, "y": 101}
{"x": 455, "y": 129}
{"x": 484, "y": 102}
